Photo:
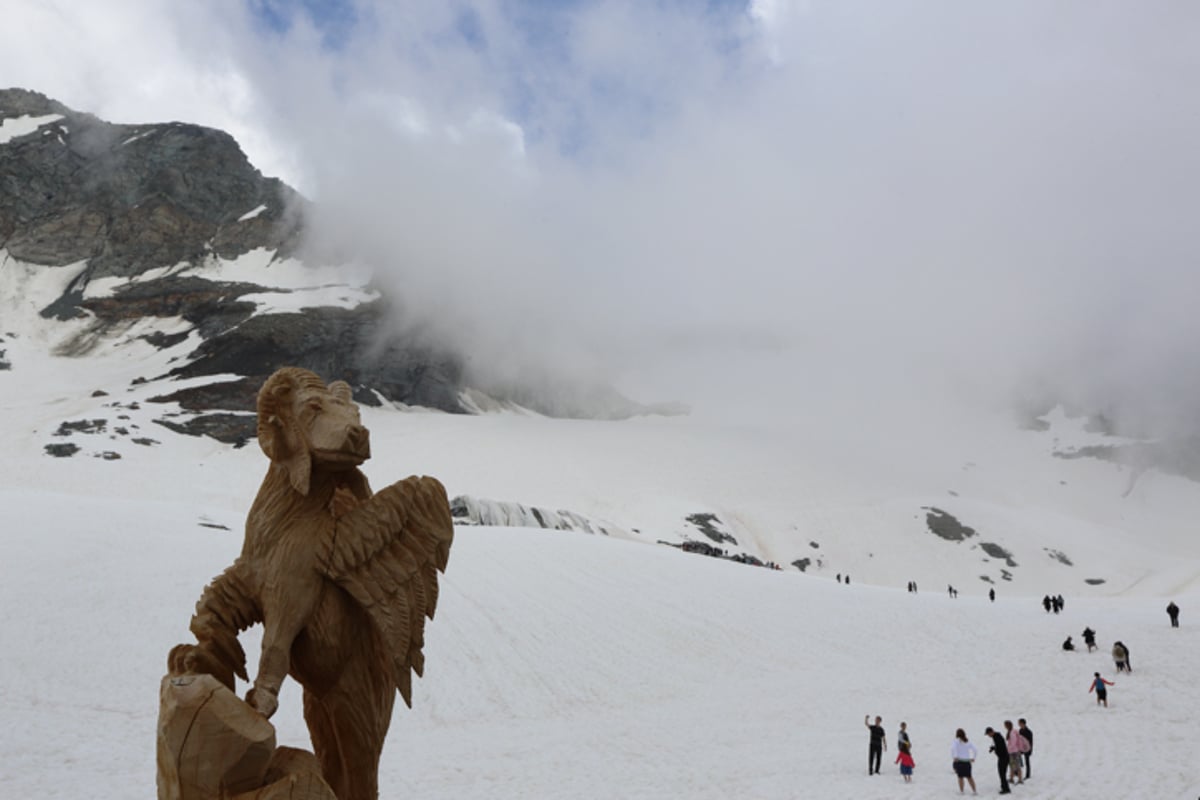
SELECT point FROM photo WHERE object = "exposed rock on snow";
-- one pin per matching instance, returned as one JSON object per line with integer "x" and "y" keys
{"x": 711, "y": 526}
{"x": 996, "y": 551}
{"x": 234, "y": 429}
{"x": 944, "y": 524}
{"x": 1058, "y": 556}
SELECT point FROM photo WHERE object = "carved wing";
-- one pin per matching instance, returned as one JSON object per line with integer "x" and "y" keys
{"x": 386, "y": 553}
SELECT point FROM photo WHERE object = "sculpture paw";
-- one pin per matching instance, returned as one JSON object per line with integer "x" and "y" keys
{"x": 264, "y": 701}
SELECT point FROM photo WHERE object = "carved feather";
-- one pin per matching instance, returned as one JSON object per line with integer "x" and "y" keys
{"x": 386, "y": 553}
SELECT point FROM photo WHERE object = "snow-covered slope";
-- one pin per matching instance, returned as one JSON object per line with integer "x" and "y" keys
{"x": 574, "y": 666}
{"x": 563, "y": 664}
{"x": 855, "y": 495}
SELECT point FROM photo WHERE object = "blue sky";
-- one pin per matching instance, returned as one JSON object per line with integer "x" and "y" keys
{"x": 537, "y": 43}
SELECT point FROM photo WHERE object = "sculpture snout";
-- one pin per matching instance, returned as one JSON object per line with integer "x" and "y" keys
{"x": 358, "y": 440}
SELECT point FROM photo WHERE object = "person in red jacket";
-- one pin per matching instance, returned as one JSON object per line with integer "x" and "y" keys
{"x": 905, "y": 760}
{"x": 1099, "y": 685}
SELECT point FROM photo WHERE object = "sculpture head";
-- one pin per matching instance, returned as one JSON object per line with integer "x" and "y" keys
{"x": 304, "y": 424}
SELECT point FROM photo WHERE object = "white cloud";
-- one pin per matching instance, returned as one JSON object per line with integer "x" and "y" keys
{"x": 983, "y": 191}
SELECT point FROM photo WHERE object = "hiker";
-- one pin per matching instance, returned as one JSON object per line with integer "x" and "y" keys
{"x": 1120, "y": 655}
{"x": 1024, "y": 730}
{"x": 1173, "y": 613}
{"x": 1100, "y": 686}
{"x": 905, "y": 760}
{"x": 1046, "y": 603}
{"x": 1089, "y": 638}
{"x": 1055, "y": 605}
{"x": 902, "y": 736}
{"x": 1000, "y": 748}
{"x": 1062, "y": 604}
{"x": 992, "y": 595}
{"x": 1067, "y": 644}
{"x": 1016, "y": 745}
{"x": 839, "y": 577}
{"x": 877, "y": 746}
{"x": 963, "y": 753}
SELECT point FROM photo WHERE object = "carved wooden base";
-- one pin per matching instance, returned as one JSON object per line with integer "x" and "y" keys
{"x": 213, "y": 746}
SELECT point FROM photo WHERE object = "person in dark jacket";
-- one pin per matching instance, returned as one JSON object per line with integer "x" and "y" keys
{"x": 877, "y": 746}
{"x": 1024, "y": 730}
{"x": 1046, "y": 603}
{"x": 1089, "y": 638}
{"x": 1067, "y": 644}
{"x": 1000, "y": 748}
{"x": 992, "y": 595}
{"x": 1173, "y": 613}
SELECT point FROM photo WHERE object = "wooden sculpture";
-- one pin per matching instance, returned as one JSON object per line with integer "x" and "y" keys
{"x": 342, "y": 579}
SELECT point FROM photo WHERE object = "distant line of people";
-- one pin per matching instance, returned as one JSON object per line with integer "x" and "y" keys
{"x": 1055, "y": 603}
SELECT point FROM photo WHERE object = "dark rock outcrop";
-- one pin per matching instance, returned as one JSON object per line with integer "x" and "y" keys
{"x": 128, "y": 199}
{"x": 946, "y": 525}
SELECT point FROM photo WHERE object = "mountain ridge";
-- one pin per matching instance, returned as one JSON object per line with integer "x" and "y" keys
{"x": 148, "y": 217}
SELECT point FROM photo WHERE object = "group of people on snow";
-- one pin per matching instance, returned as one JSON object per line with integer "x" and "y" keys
{"x": 1014, "y": 747}
{"x": 1013, "y": 750}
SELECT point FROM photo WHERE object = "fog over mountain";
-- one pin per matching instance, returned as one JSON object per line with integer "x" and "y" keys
{"x": 868, "y": 203}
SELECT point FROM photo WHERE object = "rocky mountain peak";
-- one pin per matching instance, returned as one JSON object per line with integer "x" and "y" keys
{"x": 129, "y": 198}
{"x": 168, "y": 229}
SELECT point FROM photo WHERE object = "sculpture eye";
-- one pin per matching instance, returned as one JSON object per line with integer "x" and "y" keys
{"x": 315, "y": 407}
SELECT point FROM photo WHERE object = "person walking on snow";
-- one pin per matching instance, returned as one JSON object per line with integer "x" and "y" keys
{"x": 1023, "y": 729}
{"x": 1016, "y": 745}
{"x": 1120, "y": 655}
{"x": 1089, "y": 638}
{"x": 877, "y": 746}
{"x": 902, "y": 737}
{"x": 963, "y": 753}
{"x": 905, "y": 760}
{"x": 1000, "y": 748}
{"x": 1173, "y": 613}
{"x": 1100, "y": 685}
{"x": 992, "y": 595}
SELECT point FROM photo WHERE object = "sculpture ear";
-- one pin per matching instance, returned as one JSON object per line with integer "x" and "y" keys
{"x": 342, "y": 391}
{"x": 278, "y": 434}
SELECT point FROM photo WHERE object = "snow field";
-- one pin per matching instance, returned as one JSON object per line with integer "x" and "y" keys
{"x": 567, "y": 665}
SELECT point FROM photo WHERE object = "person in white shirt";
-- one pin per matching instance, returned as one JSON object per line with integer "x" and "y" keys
{"x": 963, "y": 753}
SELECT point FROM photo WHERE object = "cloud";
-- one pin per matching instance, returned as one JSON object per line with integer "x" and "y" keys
{"x": 875, "y": 197}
